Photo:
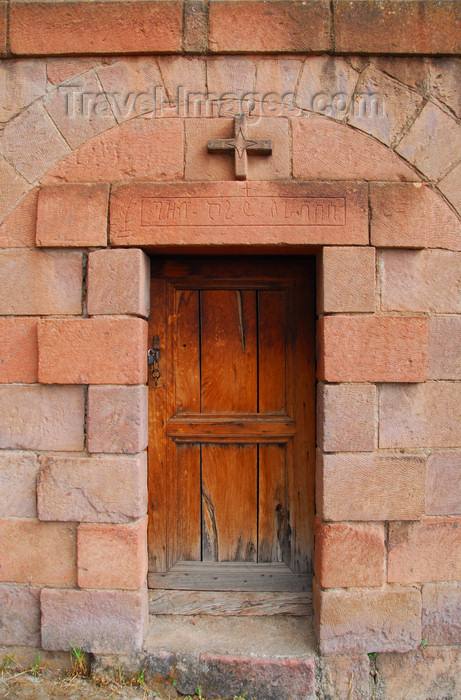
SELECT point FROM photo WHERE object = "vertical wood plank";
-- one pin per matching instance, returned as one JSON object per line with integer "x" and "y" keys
{"x": 228, "y": 351}
{"x": 187, "y": 351}
{"x": 188, "y": 506}
{"x": 157, "y": 453}
{"x": 273, "y": 535}
{"x": 229, "y": 502}
{"x": 272, "y": 351}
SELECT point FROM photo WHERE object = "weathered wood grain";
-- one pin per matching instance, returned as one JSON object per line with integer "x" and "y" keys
{"x": 256, "y": 603}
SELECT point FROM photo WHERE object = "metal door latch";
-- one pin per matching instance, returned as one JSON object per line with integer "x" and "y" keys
{"x": 153, "y": 358}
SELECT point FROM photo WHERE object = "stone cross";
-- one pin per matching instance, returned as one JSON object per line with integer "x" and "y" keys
{"x": 241, "y": 145}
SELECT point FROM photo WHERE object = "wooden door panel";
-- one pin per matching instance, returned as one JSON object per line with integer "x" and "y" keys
{"x": 273, "y": 531}
{"x": 188, "y": 502}
{"x": 186, "y": 360}
{"x": 272, "y": 335}
{"x": 229, "y": 502}
{"x": 228, "y": 351}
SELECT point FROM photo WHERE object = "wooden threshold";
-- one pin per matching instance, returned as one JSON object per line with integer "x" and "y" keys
{"x": 230, "y": 576}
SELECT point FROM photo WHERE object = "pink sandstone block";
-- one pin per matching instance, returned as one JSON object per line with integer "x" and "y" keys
{"x": 72, "y": 216}
{"x": 18, "y": 229}
{"x": 40, "y": 553}
{"x": 443, "y": 483}
{"x": 346, "y": 420}
{"x": 124, "y": 564}
{"x": 346, "y": 280}
{"x": 92, "y": 489}
{"x": 420, "y": 673}
{"x": 18, "y": 350}
{"x": 18, "y": 484}
{"x": 442, "y": 614}
{"x": 118, "y": 282}
{"x": 41, "y": 417}
{"x": 19, "y": 615}
{"x": 117, "y": 419}
{"x": 444, "y": 347}
{"x": 100, "y": 622}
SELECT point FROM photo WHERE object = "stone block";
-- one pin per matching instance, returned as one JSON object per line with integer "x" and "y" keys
{"x": 420, "y": 415}
{"x": 188, "y": 72}
{"x": 450, "y": 185}
{"x": 121, "y": 27}
{"x": 195, "y": 33}
{"x": 412, "y": 216}
{"x": 444, "y": 347}
{"x": 117, "y": 419}
{"x": 142, "y": 84}
{"x": 346, "y": 417}
{"x": 99, "y": 622}
{"x": 442, "y": 614}
{"x": 370, "y": 486}
{"x": 255, "y": 26}
{"x": 358, "y": 620}
{"x": 12, "y": 187}
{"x": 277, "y": 76}
{"x": 140, "y": 149}
{"x": 34, "y": 127}
{"x": 443, "y": 483}
{"x": 18, "y": 350}
{"x": 92, "y": 489}
{"x": 38, "y": 282}
{"x": 363, "y": 26}
{"x": 118, "y": 282}
{"x": 347, "y": 280}
{"x": 372, "y": 349}
{"x": 92, "y": 351}
{"x": 18, "y": 229}
{"x": 21, "y": 82}
{"x": 338, "y": 152}
{"x": 18, "y": 484}
{"x": 432, "y": 143}
{"x": 41, "y": 417}
{"x": 60, "y": 70}
{"x": 426, "y": 280}
{"x": 344, "y": 676}
{"x": 39, "y": 553}
{"x": 124, "y": 564}
{"x": 19, "y": 615}
{"x": 424, "y": 551}
{"x": 3, "y": 26}
{"x": 425, "y": 673}
{"x": 72, "y": 216}
{"x": 323, "y": 79}
{"x": 349, "y": 555}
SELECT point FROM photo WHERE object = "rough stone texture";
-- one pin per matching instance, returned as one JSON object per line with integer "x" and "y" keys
{"x": 41, "y": 417}
{"x": 426, "y": 280}
{"x": 116, "y": 27}
{"x": 60, "y": 70}
{"x": 362, "y": 26}
{"x": 92, "y": 489}
{"x": 433, "y": 143}
{"x": 338, "y": 152}
{"x": 230, "y": 74}
{"x": 357, "y": 620}
{"x": 420, "y": 415}
{"x": 200, "y": 165}
{"x": 444, "y": 77}
{"x": 12, "y": 187}
{"x": 18, "y": 485}
{"x": 98, "y": 621}
{"x": 410, "y": 70}
{"x": 18, "y": 350}
{"x": 118, "y": 282}
{"x": 21, "y": 82}
{"x": 19, "y": 615}
{"x": 72, "y": 216}
{"x": 92, "y": 351}
{"x": 372, "y": 349}
{"x": 188, "y": 72}
{"x": 443, "y": 483}
{"x": 81, "y": 110}
{"x": 412, "y": 216}
{"x": 40, "y": 282}
{"x": 346, "y": 417}
{"x": 442, "y": 614}
{"x": 382, "y": 106}
{"x": 346, "y": 279}
{"x": 239, "y": 26}
{"x": 349, "y": 554}
{"x": 224, "y": 213}
{"x": 35, "y": 552}
{"x": 277, "y": 76}
{"x": 18, "y": 229}
{"x": 425, "y": 673}
{"x": 344, "y": 677}
{"x": 117, "y": 419}
{"x": 124, "y": 564}
{"x": 3, "y": 26}
{"x": 140, "y": 149}
{"x": 45, "y": 145}
{"x": 322, "y": 79}
{"x": 370, "y": 487}
{"x": 139, "y": 76}
{"x": 426, "y": 551}
{"x": 450, "y": 185}
{"x": 444, "y": 347}
{"x": 195, "y": 25}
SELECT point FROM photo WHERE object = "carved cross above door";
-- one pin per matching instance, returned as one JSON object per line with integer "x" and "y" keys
{"x": 240, "y": 145}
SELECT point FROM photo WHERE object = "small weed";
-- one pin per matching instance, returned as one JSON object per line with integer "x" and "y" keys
{"x": 240, "y": 697}
{"x": 7, "y": 662}
{"x": 140, "y": 680}
{"x": 79, "y": 665}
{"x": 423, "y": 642}
{"x": 37, "y": 667}
{"x": 372, "y": 655}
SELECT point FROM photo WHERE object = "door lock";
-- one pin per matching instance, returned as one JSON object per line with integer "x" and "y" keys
{"x": 153, "y": 358}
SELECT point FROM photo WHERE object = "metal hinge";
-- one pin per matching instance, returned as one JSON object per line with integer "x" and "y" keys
{"x": 153, "y": 358}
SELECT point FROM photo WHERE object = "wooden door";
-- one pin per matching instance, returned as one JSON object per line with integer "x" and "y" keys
{"x": 232, "y": 435}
